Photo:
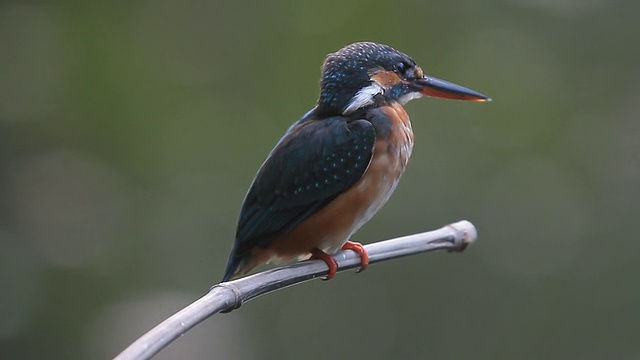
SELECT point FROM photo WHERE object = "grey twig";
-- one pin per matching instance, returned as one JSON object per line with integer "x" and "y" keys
{"x": 230, "y": 295}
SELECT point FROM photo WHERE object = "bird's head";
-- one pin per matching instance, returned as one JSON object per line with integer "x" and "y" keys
{"x": 366, "y": 74}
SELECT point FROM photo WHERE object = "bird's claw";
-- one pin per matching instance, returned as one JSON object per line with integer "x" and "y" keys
{"x": 333, "y": 264}
{"x": 330, "y": 261}
{"x": 357, "y": 247}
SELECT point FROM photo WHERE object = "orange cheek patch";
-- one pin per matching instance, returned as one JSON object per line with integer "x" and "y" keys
{"x": 386, "y": 79}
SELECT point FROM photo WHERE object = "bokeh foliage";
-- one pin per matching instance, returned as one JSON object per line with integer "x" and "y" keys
{"x": 130, "y": 130}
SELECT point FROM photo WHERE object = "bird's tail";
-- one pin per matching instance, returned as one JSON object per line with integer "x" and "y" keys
{"x": 232, "y": 267}
{"x": 235, "y": 266}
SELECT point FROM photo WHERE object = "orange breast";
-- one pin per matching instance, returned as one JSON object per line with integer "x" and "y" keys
{"x": 331, "y": 226}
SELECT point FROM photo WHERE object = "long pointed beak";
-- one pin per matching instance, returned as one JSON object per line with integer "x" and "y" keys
{"x": 433, "y": 87}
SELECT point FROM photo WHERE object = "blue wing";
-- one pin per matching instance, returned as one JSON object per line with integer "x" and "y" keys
{"x": 313, "y": 163}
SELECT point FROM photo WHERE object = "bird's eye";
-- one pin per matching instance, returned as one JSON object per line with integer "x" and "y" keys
{"x": 401, "y": 67}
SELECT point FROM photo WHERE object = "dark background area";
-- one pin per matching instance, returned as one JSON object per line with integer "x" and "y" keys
{"x": 130, "y": 131}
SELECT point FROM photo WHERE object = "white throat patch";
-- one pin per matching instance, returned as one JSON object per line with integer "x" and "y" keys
{"x": 408, "y": 97}
{"x": 363, "y": 97}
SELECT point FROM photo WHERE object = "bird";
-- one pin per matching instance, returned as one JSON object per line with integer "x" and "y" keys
{"x": 337, "y": 165}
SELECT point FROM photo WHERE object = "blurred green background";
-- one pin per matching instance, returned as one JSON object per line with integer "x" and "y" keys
{"x": 130, "y": 131}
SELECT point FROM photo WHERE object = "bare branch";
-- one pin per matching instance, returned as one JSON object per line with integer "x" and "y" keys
{"x": 230, "y": 295}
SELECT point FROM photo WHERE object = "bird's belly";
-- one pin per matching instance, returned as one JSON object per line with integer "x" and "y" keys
{"x": 332, "y": 226}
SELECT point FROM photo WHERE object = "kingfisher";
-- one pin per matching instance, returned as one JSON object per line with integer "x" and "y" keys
{"x": 338, "y": 165}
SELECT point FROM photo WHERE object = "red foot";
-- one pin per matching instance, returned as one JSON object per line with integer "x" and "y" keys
{"x": 331, "y": 262}
{"x": 357, "y": 247}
